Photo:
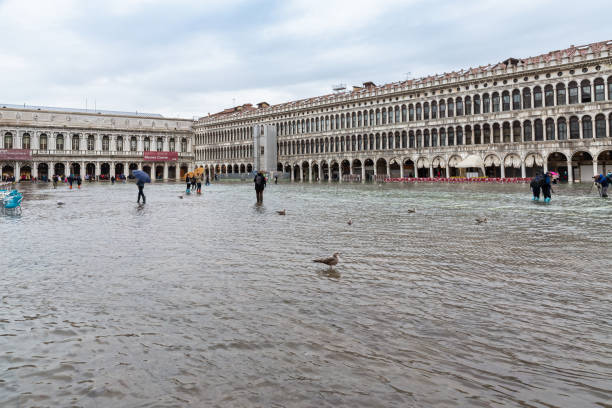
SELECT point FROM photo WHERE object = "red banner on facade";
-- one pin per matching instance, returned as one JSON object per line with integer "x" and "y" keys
{"x": 15, "y": 154}
{"x": 160, "y": 156}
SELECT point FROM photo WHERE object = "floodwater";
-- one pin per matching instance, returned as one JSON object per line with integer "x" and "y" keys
{"x": 212, "y": 301}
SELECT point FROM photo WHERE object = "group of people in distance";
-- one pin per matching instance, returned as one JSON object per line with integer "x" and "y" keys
{"x": 543, "y": 182}
{"x": 195, "y": 184}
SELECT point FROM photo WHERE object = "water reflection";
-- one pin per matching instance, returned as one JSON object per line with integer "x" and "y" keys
{"x": 211, "y": 300}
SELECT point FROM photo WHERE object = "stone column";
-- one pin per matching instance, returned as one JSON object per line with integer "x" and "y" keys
{"x": 431, "y": 174}
{"x": 402, "y": 170}
{"x": 82, "y": 169}
{"x": 388, "y": 169}
{"x": 126, "y": 169}
{"x": 363, "y": 172}
{"x": 165, "y": 171}
{"x": 140, "y": 143}
{"x": 97, "y": 169}
{"x": 570, "y": 172}
{"x": 545, "y": 165}
{"x": 503, "y": 169}
{"x": 34, "y": 169}
{"x": 50, "y": 170}
{"x": 595, "y": 172}
{"x": 112, "y": 169}
{"x": 320, "y": 172}
{"x": 523, "y": 170}
{"x": 177, "y": 172}
{"x": 580, "y": 129}
{"x": 17, "y": 174}
{"x": 292, "y": 174}
{"x": 68, "y": 169}
{"x": 301, "y": 174}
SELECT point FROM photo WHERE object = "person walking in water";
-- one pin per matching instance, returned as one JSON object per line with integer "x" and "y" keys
{"x": 70, "y": 180}
{"x": 79, "y": 181}
{"x": 260, "y": 184}
{"x": 199, "y": 184}
{"x": 140, "y": 185}
{"x": 536, "y": 185}
{"x": 54, "y": 181}
{"x": 547, "y": 187}
{"x": 602, "y": 185}
{"x": 207, "y": 181}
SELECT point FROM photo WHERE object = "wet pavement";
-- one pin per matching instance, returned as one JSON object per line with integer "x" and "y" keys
{"x": 213, "y": 301}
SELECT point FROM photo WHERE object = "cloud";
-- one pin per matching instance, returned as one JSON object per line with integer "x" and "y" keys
{"x": 190, "y": 57}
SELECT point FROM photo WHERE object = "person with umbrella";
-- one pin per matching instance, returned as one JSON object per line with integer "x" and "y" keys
{"x": 141, "y": 178}
{"x": 260, "y": 185}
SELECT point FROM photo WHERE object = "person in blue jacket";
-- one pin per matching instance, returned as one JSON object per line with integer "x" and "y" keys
{"x": 602, "y": 185}
{"x": 547, "y": 187}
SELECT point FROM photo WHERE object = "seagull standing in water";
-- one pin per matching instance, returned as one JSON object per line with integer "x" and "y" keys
{"x": 283, "y": 212}
{"x": 481, "y": 220}
{"x": 331, "y": 261}
{"x": 350, "y": 221}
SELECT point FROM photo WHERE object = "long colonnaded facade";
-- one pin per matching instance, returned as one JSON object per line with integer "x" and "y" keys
{"x": 40, "y": 142}
{"x": 550, "y": 112}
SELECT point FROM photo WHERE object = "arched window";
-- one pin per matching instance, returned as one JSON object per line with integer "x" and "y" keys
{"x": 434, "y": 110}
{"x": 133, "y": 144}
{"x": 426, "y": 110}
{"x": 537, "y": 97}
{"x": 411, "y": 139}
{"x": 404, "y": 113}
{"x": 600, "y": 125}
{"x": 549, "y": 95}
{"x": 450, "y": 107}
{"x": 419, "y": 139}
{"x": 496, "y": 133}
{"x": 516, "y": 99}
{"x": 442, "y": 137}
{"x": 468, "y": 105}
{"x": 25, "y": 141}
{"x": 526, "y": 98}
{"x": 486, "y": 103}
{"x": 495, "y": 99}
{"x": 377, "y": 117}
{"x": 172, "y": 144}
{"x": 160, "y": 144}
{"x": 377, "y": 141}
{"x": 411, "y": 112}
{"x": 539, "y": 130}
{"x": 42, "y": 142}
{"x": 585, "y": 86}
{"x": 8, "y": 140}
{"x": 476, "y": 104}
{"x": 147, "y": 144}
{"x": 397, "y": 114}
{"x": 404, "y": 140}
{"x": 516, "y": 132}
{"x": 459, "y": 135}
{"x": 119, "y": 144}
{"x": 434, "y": 138}
{"x": 574, "y": 128}
{"x": 506, "y": 137}
{"x": 343, "y": 121}
{"x": 505, "y": 101}
{"x": 561, "y": 129}
{"x": 550, "y": 129}
{"x": 418, "y": 111}
{"x": 59, "y": 142}
{"x": 573, "y": 92}
{"x": 450, "y": 136}
{"x": 442, "y": 109}
{"x": 459, "y": 106}
{"x": 527, "y": 131}
{"x": 561, "y": 99}
{"x": 397, "y": 144}
{"x": 600, "y": 90}
{"x": 76, "y": 141}
{"x": 587, "y": 127}
{"x": 426, "y": 138}
{"x": 477, "y": 135}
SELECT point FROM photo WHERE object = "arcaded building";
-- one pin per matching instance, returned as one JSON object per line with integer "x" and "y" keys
{"x": 41, "y": 141}
{"x": 549, "y": 112}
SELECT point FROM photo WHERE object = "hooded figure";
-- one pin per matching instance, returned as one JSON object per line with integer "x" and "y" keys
{"x": 546, "y": 187}
{"x": 535, "y": 185}
{"x": 260, "y": 185}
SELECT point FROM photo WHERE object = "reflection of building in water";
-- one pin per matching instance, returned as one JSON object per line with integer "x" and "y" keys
{"x": 553, "y": 111}
{"x": 41, "y": 141}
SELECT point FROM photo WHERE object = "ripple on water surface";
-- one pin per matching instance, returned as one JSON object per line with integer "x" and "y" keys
{"x": 212, "y": 301}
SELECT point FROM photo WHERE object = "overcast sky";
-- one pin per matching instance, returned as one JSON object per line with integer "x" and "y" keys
{"x": 188, "y": 58}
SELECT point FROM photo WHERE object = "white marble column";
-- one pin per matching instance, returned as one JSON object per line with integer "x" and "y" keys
{"x": 112, "y": 169}
{"x": 570, "y": 172}
{"x": 34, "y": 169}
{"x": 165, "y": 171}
{"x": 401, "y": 170}
{"x": 503, "y": 170}
{"x": 523, "y": 170}
{"x": 363, "y": 172}
{"x": 320, "y": 173}
{"x": 595, "y": 172}
{"x": 431, "y": 173}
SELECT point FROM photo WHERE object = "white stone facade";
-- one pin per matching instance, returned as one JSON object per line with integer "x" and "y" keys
{"x": 553, "y": 110}
{"x": 85, "y": 143}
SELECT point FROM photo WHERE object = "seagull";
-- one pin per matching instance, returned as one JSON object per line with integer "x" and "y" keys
{"x": 481, "y": 220}
{"x": 350, "y": 221}
{"x": 411, "y": 210}
{"x": 331, "y": 261}
{"x": 283, "y": 212}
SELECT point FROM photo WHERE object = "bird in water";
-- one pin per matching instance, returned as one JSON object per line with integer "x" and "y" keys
{"x": 330, "y": 261}
{"x": 350, "y": 221}
{"x": 283, "y": 212}
{"x": 481, "y": 220}
{"x": 181, "y": 197}
{"x": 60, "y": 203}
{"x": 411, "y": 210}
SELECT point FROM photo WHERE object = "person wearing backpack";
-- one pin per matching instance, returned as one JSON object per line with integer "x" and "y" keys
{"x": 535, "y": 184}
{"x": 260, "y": 185}
{"x": 602, "y": 185}
{"x": 546, "y": 187}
